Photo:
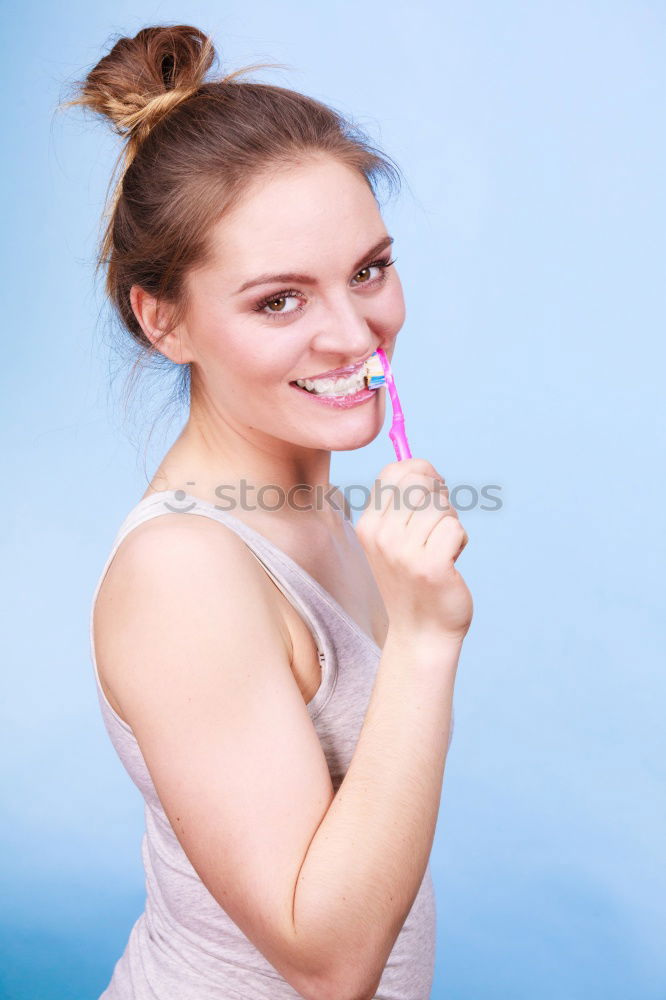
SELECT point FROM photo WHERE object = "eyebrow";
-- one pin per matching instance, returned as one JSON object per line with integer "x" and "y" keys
{"x": 264, "y": 279}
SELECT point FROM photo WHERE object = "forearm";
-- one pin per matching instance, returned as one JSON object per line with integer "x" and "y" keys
{"x": 368, "y": 857}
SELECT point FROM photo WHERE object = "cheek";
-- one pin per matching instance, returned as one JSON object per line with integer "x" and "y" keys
{"x": 391, "y": 313}
{"x": 228, "y": 349}
{"x": 259, "y": 358}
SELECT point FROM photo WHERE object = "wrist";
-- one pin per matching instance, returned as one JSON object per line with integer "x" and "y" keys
{"x": 429, "y": 646}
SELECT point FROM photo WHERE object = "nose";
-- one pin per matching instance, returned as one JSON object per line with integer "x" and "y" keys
{"x": 344, "y": 334}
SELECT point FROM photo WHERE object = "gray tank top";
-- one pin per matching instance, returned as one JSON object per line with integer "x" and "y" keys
{"x": 184, "y": 945}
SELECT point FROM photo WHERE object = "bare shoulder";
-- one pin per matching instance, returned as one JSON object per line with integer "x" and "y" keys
{"x": 154, "y": 562}
{"x": 170, "y": 537}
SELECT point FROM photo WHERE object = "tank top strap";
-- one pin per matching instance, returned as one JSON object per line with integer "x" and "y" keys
{"x": 304, "y": 594}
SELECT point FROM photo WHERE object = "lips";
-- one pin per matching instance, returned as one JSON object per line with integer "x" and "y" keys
{"x": 336, "y": 372}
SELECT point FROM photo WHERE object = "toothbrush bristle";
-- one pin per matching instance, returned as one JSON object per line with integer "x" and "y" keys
{"x": 374, "y": 373}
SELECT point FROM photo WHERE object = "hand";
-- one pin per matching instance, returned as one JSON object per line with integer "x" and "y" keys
{"x": 412, "y": 537}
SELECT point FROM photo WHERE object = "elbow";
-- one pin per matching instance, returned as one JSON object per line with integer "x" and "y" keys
{"x": 355, "y": 975}
{"x": 334, "y": 993}
{"x": 342, "y": 989}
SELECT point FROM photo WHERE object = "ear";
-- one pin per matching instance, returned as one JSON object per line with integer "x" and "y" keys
{"x": 153, "y": 319}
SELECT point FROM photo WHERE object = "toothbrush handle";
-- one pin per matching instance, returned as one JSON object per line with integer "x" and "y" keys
{"x": 397, "y": 432}
{"x": 399, "y": 438}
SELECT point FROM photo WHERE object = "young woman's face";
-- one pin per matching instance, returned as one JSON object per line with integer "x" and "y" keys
{"x": 300, "y": 284}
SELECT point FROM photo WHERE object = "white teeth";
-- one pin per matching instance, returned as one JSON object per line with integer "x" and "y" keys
{"x": 334, "y": 386}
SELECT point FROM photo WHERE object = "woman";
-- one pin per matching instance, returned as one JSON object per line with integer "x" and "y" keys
{"x": 278, "y": 685}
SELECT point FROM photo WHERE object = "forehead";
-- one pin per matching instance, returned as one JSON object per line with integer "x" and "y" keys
{"x": 317, "y": 206}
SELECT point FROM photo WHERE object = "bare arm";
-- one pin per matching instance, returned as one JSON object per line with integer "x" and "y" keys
{"x": 366, "y": 862}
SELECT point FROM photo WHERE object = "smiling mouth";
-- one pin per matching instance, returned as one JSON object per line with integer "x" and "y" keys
{"x": 341, "y": 385}
{"x": 343, "y": 382}
{"x": 337, "y": 373}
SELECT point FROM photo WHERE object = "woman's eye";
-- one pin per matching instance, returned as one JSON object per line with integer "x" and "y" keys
{"x": 381, "y": 266}
{"x": 279, "y": 301}
{"x": 366, "y": 271}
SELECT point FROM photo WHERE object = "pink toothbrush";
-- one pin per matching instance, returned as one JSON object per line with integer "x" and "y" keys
{"x": 378, "y": 373}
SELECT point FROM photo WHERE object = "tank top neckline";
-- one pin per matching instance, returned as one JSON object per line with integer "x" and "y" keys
{"x": 324, "y": 594}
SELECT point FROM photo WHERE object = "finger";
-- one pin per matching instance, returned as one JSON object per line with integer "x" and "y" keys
{"x": 411, "y": 494}
{"x": 423, "y": 495}
{"x": 386, "y": 489}
{"x": 422, "y": 522}
{"x": 448, "y": 537}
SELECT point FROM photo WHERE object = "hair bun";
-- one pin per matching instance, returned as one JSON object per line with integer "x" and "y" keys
{"x": 144, "y": 77}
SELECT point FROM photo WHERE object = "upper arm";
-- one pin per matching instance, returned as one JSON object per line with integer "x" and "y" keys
{"x": 198, "y": 660}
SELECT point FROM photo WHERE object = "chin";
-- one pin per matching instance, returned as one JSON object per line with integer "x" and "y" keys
{"x": 350, "y": 442}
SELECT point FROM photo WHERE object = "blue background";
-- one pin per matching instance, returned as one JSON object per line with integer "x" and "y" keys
{"x": 530, "y": 243}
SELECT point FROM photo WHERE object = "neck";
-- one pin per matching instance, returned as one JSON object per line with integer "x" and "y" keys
{"x": 251, "y": 474}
